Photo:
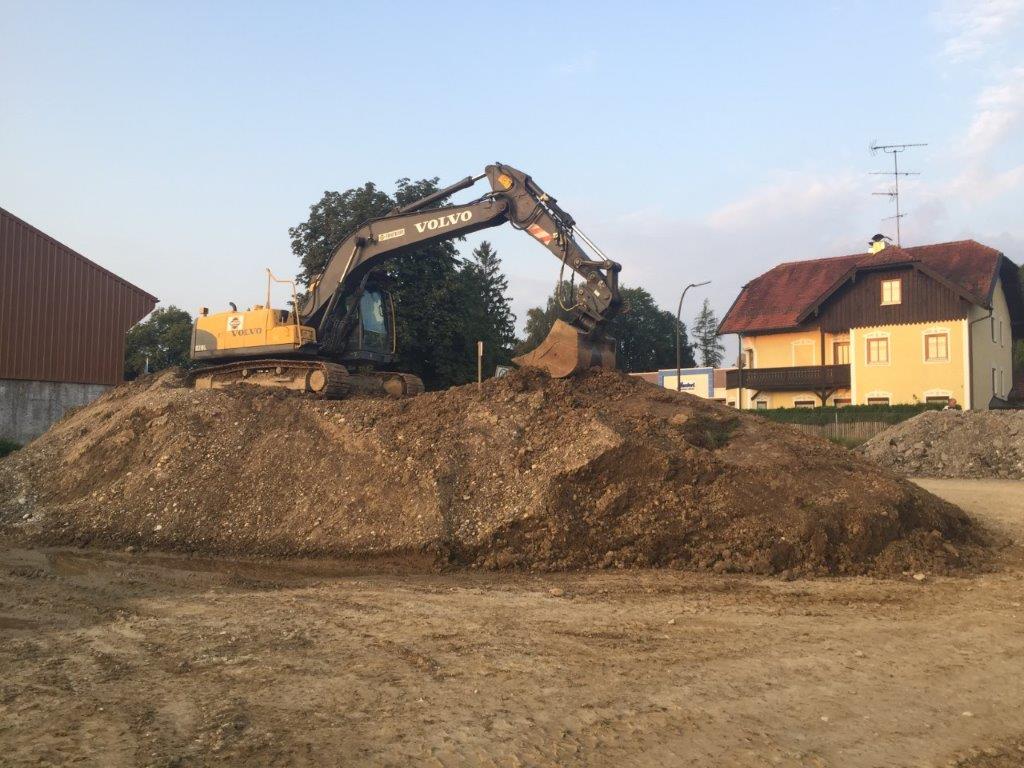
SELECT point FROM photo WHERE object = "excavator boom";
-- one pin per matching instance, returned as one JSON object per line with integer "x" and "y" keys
{"x": 579, "y": 343}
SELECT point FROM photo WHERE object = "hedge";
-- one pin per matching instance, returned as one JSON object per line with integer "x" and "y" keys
{"x": 890, "y": 414}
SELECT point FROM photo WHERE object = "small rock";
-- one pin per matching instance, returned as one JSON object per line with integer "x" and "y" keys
{"x": 556, "y": 592}
{"x": 824, "y": 718}
{"x": 158, "y": 527}
{"x": 671, "y": 621}
{"x": 918, "y": 577}
{"x": 967, "y": 714}
{"x": 859, "y": 654}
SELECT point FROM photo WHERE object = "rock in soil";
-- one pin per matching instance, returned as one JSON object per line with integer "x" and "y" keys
{"x": 524, "y": 472}
{"x": 963, "y": 444}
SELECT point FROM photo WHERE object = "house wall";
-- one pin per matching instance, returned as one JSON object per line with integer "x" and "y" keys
{"x": 988, "y": 354}
{"x": 781, "y": 399}
{"x": 784, "y": 350}
{"x": 907, "y": 377}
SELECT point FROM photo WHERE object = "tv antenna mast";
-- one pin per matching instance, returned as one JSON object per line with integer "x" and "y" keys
{"x": 894, "y": 194}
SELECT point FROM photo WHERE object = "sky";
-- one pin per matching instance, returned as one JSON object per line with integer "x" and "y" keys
{"x": 176, "y": 143}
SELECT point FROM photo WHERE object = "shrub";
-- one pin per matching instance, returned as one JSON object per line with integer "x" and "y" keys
{"x": 890, "y": 414}
{"x": 7, "y": 446}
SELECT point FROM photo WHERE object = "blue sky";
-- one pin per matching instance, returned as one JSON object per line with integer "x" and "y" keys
{"x": 176, "y": 143}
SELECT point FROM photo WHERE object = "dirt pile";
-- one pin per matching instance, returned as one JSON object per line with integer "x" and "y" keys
{"x": 953, "y": 444}
{"x": 523, "y": 472}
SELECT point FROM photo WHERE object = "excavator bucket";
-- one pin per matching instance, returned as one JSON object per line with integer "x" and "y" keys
{"x": 567, "y": 350}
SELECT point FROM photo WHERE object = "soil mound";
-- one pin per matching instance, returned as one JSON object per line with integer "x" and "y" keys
{"x": 522, "y": 472}
{"x": 953, "y": 444}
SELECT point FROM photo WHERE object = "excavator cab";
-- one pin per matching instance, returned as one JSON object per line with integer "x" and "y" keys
{"x": 373, "y": 336}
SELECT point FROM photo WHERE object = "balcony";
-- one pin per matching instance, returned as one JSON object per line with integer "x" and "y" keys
{"x": 805, "y": 378}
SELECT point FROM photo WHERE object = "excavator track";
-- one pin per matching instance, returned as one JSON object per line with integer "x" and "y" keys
{"x": 386, "y": 383}
{"x": 327, "y": 381}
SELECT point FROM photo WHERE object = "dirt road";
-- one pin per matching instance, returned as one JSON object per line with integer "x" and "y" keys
{"x": 117, "y": 659}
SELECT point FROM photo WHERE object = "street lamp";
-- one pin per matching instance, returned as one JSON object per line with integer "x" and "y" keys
{"x": 679, "y": 325}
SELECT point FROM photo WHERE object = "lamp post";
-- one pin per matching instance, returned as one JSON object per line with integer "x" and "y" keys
{"x": 679, "y": 325}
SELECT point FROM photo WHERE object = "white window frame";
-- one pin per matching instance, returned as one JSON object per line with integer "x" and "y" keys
{"x": 877, "y": 394}
{"x": 924, "y": 346}
{"x": 839, "y": 342}
{"x": 899, "y": 290}
{"x": 804, "y": 403}
{"x": 888, "y": 346}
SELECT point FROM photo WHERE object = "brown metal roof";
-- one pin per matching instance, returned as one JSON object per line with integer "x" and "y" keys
{"x": 62, "y": 317}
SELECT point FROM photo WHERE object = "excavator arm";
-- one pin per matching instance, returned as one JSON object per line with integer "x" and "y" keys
{"x": 517, "y": 199}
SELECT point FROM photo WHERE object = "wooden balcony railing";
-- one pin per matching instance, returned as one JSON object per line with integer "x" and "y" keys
{"x": 810, "y": 378}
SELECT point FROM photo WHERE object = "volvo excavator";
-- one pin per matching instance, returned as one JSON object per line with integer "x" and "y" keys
{"x": 340, "y": 337}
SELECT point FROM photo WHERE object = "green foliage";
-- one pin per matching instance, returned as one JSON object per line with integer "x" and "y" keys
{"x": 488, "y": 311}
{"x": 7, "y": 446}
{"x": 443, "y": 305}
{"x": 645, "y": 333}
{"x": 705, "y": 331}
{"x": 164, "y": 338}
{"x": 890, "y": 414}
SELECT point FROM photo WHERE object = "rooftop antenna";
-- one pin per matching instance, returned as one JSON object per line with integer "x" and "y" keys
{"x": 894, "y": 193}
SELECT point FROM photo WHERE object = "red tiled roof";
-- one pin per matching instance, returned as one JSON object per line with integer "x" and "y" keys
{"x": 783, "y": 295}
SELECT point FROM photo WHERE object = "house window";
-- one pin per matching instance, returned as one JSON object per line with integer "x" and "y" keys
{"x": 995, "y": 382}
{"x": 731, "y": 403}
{"x": 761, "y": 405}
{"x": 841, "y": 402}
{"x": 992, "y": 322}
{"x": 878, "y": 351}
{"x": 878, "y": 401}
{"x": 936, "y": 347}
{"x": 747, "y": 358}
{"x": 937, "y": 399}
{"x": 841, "y": 353}
{"x": 892, "y": 291}
{"x": 803, "y": 403}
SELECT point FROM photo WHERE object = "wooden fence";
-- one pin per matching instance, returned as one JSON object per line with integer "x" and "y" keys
{"x": 854, "y": 430}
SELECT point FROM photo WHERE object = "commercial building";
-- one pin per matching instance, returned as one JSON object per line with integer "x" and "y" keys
{"x": 895, "y": 325}
{"x": 709, "y": 383}
{"x": 63, "y": 321}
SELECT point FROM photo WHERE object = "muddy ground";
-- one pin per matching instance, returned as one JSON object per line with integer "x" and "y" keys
{"x": 118, "y": 659}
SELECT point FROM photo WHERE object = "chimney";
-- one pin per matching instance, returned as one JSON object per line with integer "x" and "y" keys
{"x": 877, "y": 243}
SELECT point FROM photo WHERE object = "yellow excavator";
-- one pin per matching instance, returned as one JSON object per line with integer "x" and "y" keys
{"x": 342, "y": 337}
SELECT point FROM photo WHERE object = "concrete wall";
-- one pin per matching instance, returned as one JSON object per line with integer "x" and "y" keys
{"x": 28, "y": 408}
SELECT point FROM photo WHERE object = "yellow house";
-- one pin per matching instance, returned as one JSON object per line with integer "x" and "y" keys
{"x": 931, "y": 323}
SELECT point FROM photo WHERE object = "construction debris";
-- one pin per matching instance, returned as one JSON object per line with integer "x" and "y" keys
{"x": 953, "y": 444}
{"x": 524, "y": 472}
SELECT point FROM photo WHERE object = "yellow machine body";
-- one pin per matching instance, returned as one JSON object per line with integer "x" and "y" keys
{"x": 256, "y": 331}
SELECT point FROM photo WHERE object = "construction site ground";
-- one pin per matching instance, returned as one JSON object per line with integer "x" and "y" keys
{"x": 124, "y": 659}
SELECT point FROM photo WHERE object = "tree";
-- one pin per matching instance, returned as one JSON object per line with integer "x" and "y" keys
{"x": 706, "y": 337}
{"x": 440, "y": 305}
{"x": 164, "y": 339}
{"x": 489, "y": 313}
{"x": 645, "y": 334}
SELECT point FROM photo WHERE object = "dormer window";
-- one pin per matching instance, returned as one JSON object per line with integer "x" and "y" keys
{"x": 892, "y": 291}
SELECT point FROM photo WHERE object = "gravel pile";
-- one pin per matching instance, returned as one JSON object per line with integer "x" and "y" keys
{"x": 986, "y": 444}
{"x": 524, "y": 472}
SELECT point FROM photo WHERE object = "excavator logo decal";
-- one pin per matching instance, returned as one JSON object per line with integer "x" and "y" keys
{"x": 390, "y": 235}
{"x": 442, "y": 222}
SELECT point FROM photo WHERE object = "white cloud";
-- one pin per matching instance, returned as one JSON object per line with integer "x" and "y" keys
{"x": 1000, "y": 109}
{"x": 796, "y": 195}
{"x": 974, "y": 25}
